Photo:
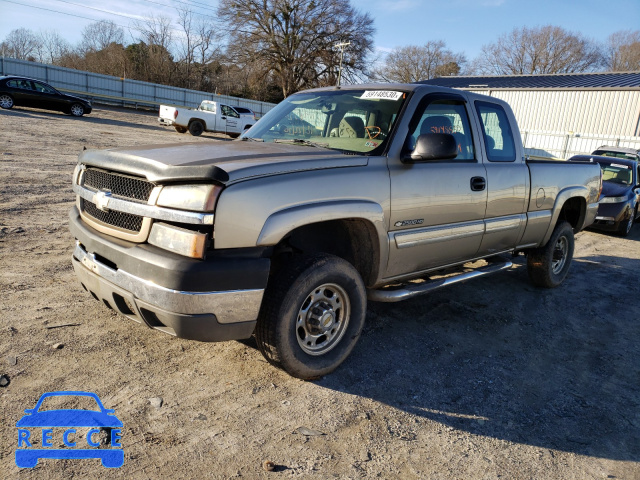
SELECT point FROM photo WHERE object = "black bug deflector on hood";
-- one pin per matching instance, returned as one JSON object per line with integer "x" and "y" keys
{"x": 224, "y": 162}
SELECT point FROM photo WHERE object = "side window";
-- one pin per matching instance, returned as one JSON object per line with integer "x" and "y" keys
{"x": 228, "y": 111}
{"x": 498, "y": 137}
{"x": 23, "y": 84}
{"x": 446, "y": 116}
{"x": 43, "y": 88}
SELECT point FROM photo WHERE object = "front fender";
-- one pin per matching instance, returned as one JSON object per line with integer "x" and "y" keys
{"x": 285, "y": 221}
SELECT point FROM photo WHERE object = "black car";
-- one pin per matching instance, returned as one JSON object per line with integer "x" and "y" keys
{"x": 618, "y": 209}
{"x": 28, "y": 92}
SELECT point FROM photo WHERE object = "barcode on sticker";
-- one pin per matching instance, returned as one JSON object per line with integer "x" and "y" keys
{"x": 382, "y": 94}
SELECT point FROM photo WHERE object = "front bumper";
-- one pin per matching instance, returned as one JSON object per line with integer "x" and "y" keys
{"x": 199, "y": 300}
{"x": 610, "y": 215}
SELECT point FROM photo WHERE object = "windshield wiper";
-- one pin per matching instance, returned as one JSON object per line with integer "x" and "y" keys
{"x": 301, "y": 141}
{"x": 251, "y": 139}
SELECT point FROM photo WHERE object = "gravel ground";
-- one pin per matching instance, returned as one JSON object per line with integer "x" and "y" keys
{"x": 484, "y": 380}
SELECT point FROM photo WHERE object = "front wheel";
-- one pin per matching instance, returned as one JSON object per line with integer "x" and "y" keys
{"x": 6, "y": 101}
{"x": 625, "y": 227}
{"x": 76, "y": 110}
{"x": 312, "y": 315}
{"x": 548, "y": 266}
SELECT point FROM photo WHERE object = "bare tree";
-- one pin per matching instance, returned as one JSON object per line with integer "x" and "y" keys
{"x": 52, "y": 47}
{"x": 547, "y": 49}
{"x": 99, "y": 35}
{"x": 293, "y": 39}
{"x": 207, "y": 54}
{"x": 22, "y": 44}
{"x": 154, "y": 60}
{"x": 622, "y": 51}
{"x": 414, "y": 63}
{"x": 188, "y": 43}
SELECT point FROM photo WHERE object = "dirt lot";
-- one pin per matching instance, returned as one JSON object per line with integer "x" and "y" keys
{"x": 485, "y": 380}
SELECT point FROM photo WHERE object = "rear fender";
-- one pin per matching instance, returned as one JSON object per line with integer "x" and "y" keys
{"x": 562, "y": 198}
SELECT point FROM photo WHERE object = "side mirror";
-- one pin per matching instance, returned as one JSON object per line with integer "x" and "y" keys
{"x": 435, "y": 146}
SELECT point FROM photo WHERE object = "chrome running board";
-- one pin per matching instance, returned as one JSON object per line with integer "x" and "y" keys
{"x": 413, "y": 290}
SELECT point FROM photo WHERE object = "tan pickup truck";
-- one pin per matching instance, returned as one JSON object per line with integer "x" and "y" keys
{"x": 336, "y": 196}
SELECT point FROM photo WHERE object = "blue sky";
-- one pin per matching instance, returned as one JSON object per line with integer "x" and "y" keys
{"x": 465, "y": 25}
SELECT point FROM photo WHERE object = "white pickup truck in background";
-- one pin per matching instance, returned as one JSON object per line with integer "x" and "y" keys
{"x": 208, "y": 117}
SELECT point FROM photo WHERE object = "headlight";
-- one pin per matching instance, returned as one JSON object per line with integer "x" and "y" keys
{"x": 198, "y": 198}
{"x": 178, "y": 240}
{"x": 613, "y": 200}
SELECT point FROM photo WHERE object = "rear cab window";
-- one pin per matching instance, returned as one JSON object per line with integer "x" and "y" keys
{"x": 497, "y": 133}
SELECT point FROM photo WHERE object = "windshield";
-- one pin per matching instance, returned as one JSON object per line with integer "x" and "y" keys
{"x": 352, "y": 121}
{"x": 609, "y": 153}
{"x": 616, "y": 173}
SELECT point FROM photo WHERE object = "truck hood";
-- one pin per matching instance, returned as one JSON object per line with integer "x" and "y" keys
{"x": 224, "y": 162}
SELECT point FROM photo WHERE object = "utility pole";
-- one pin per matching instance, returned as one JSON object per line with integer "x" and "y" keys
{"x": 341, "y": 46}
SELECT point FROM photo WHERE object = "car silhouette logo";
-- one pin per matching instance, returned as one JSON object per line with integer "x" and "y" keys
{"x": 68, "y": 419}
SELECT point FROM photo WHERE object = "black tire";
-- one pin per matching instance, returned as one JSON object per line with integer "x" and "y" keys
{"x": 312, "y": 315}
{"x": 6, "y": 101}
{"x": 233, "y": 135}
{"x": 180, "y": 129}
{"x": 196, "y": 128}
{"x": 624, "y": 229}
{"x": 548, "y": 266}
{"x": 77, "y": 110}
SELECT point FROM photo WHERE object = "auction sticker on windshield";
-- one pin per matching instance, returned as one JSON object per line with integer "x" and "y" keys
{"x": 89, "y": 430}
{"x": 381, "y": 94}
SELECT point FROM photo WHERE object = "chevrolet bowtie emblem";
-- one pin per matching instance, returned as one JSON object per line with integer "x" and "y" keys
{"x": 101, "y": 199}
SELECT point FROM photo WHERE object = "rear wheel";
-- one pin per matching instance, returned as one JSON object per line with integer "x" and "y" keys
{"x": 6, "y": 101}
{"x": 312, "y": 315}
{"x": 76, "y": 110}
{"x": 180, "y": 129}
{"x": 548, "y": 266}
{"x": 196, "y": 128}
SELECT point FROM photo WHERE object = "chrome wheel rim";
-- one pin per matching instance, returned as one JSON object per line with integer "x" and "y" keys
{"x": 77, "y": 110}
{"x": 560, "y": 252}
{"x": 6, "y": 101}
{"x": 323, "y": 319}
{"x": 630, "y": 222}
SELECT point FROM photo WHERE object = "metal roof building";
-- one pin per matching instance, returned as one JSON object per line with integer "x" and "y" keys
{"x": 604, "y": 107}
{"x": 589, "y": 103}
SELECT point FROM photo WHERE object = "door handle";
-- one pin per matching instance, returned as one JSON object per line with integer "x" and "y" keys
{"x": 478, "y": 184}
{"x": 223, "y": 118}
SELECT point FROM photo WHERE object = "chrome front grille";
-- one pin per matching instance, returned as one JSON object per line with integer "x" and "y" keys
{"x": 119, "y": 185}
{"x": 125, "y": 187}
{"x": 126, "y": 221}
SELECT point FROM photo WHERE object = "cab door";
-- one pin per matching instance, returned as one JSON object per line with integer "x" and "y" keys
{"x": 232, "y": 119}
{"x": 509, "y": 185}
{"x": 437, "y": 206}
